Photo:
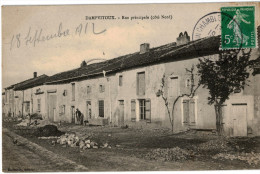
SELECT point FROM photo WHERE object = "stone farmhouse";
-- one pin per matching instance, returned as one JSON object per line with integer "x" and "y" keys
{"x": 124, "y": 91}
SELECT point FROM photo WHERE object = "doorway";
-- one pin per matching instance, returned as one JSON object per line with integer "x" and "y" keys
{"x": 88, "y": 110}
{"x": 121, "y": 113}
{"x": 52, "y": 107}
{"x": 239, "y": 113}
{"x": 72, "y": 109}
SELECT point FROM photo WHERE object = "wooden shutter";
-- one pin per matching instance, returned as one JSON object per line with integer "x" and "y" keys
{"x": 192, "y": 111}
{"x": 133, "y": 110}
{"x": 185, "y": 104}
{"x": 148, "y": 110}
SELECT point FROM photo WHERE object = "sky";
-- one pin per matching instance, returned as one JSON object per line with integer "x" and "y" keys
{"x": 21, "y": 57}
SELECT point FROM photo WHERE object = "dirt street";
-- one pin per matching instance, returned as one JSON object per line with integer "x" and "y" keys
{"x": 150, "y": 150}
{"x": 18, "y": 158}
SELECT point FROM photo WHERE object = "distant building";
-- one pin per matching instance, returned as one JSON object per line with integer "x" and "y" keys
{"x": 20, "y": 98}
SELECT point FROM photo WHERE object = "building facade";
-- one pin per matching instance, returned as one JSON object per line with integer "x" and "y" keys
{"x": 124, "y": 91}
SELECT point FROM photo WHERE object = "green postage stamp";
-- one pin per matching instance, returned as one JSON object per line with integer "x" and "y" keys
{"x": 238, "y": 27}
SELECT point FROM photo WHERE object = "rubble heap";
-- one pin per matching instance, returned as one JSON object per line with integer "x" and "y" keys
{"x": 71, "y": 140}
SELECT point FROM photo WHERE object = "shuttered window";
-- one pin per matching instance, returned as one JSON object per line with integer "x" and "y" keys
{"x": 73, "y": 91}
{"x": 148, "y": 110}
{"x": 185, "y": 105}
{"x": 188, "y": 111}
{"x": 174, "y": 87}
{"x": 101, "y": 88}
{"x": 140, "y": 83}
{"x": 101, "y": 108}
{"x": 133, "y": 110}
{"x": 192, "y": 111}
{"x": 145, "y": 109}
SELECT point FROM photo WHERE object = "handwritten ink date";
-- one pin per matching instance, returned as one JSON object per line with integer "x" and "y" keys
{"x": 38, "y": 36}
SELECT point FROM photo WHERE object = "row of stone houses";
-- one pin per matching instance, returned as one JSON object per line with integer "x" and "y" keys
{"x": 124, "y": 91}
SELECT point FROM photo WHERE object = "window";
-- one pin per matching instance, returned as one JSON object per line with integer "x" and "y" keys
{"x": 141, "y": 83}
{"x": 62, "y": 110}
{"x": 120, "y": 80}
{"x": 133, "y": 110}
{"x": 39, "y": 105}
{"x": 101, "y": 88}
{"x": 101, "y": 108}
{"x": 88, "y": 89}
{"x": 174, "y": 86}
{"x": 145, "y": 109}
{"x": 188, "y": 111}
{"x": 142, "y": 109}
{"x": 73, "y": 91}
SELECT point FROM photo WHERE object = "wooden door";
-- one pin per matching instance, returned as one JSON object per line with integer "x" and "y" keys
{"x": 239, "y": 113}
{"x": 121, "y": 113}
{"x": 52, "y": 107}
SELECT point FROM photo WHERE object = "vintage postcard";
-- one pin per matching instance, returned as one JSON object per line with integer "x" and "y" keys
{"x": 131, "y": 87}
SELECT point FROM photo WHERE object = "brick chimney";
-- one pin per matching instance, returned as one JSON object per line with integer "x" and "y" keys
{"x": 34, "y": 74}
{"x": 183, "y": 38}
{"x": 144, "y": 48}
{"x": 83, "y": 64}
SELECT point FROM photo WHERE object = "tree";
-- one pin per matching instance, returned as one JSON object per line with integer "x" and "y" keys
{"x": 222, "y": 77}
{"x": 192, "y": 91}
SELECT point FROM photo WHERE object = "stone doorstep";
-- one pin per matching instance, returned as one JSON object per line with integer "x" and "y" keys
{"x": 44, "y": 152}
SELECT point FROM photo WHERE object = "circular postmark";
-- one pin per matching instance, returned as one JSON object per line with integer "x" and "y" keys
{"x": 211, "y": 25}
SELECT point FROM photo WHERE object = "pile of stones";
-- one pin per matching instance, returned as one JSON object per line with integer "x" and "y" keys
{"x": 71, "y": 140}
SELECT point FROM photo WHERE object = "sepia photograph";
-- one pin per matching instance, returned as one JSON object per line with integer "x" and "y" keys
{"x": 131, "y": 87}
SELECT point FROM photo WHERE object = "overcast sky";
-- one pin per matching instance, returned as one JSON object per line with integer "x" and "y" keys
{"x": 120, "y": 36}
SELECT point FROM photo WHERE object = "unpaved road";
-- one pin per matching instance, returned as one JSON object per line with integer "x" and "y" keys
{"x": 18, "y": 158}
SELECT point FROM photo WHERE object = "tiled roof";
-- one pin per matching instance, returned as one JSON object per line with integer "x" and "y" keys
{"x": 165, "y": 53}
{"x": 30, "y": 83}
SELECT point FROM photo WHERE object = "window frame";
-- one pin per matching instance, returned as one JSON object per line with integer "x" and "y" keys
{"x": 101, "y": 88}
{"x": 73, "y": 91}
{"x": 142, "y": 109}
{"x": 138, "y": 84}
{"x": 102, "y": 115}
